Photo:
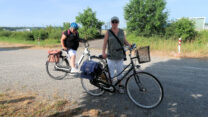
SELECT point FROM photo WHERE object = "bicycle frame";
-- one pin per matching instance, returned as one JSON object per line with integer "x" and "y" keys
{"x": 85, "y": 53}
{"x": 132, "y": 68}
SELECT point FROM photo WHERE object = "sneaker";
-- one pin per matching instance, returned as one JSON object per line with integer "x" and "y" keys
{"x": 121, "y": 89}
{"x": 74, "y": 70}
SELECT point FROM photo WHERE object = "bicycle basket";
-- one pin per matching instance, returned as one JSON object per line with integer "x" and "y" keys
{"x": 53, "y": 55}
{"x": 143, "y": 54}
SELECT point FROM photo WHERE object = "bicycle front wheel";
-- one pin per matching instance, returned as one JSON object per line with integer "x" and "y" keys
{"x": 90, "y": 88}
{"x": 53, "y": 72}
{"x": 144, "y": 90}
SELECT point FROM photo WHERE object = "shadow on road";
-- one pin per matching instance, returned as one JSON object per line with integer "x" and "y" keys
{"x": 17, "y": 100}
{"x": 14, "y": 48}
{"x": 185, "y": 92}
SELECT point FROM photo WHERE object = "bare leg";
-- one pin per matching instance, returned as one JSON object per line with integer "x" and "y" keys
{"x": 72, "y": 61}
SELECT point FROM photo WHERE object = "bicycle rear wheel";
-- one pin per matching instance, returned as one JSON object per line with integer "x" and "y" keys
{"x": 53, "y": 72}
{"x": 144, "y": 90}
{"x": 90, "y": 88}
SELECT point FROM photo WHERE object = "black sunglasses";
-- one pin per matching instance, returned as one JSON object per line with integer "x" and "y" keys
{"x": 114, "y": 22}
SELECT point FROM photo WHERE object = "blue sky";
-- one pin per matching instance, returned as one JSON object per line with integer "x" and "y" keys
{"x": 55, "y": 12}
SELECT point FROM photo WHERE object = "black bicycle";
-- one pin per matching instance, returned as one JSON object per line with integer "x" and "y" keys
{"x": 143, "y": 88}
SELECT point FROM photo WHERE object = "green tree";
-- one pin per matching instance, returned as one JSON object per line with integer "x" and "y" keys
{"x": 183, "y": 28}
{"x": 66, "y": 25}
{"x": 90, "y": 25}
{"x": 146, "y": 17}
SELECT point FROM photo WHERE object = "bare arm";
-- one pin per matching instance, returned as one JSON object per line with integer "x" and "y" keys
{"x": 63, "y": 37}
{"x": 105, "y": 45}
{"x": 126, "y": 42}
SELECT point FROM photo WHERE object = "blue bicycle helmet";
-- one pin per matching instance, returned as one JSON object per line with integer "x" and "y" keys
{"x": 74, "y": 25}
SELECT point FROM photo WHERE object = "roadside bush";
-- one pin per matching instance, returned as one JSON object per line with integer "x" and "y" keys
{"x": 43, "y": 34}
{"x": 202, "y": 37}
{"x": 5, "y": 33}
{"x": 183, "y": 28}
{"x": 54, "y": 32}
{"x": 29, "y": 36}
{"x": 40, "y": 33}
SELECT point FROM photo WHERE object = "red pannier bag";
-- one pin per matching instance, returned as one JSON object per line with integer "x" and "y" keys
{"x": 53, "y": 55}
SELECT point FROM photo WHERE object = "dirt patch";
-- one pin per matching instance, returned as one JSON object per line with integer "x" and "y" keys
{"x": 26, "y": 104}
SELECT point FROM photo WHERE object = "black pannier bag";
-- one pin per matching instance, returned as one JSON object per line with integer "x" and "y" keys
{"x": 90, "y": 69}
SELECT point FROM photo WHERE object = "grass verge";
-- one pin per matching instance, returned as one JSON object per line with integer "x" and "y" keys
{"x": 195, "y": 49}
{"x": 41, "y": 43}
{"x": 159, "y": 45}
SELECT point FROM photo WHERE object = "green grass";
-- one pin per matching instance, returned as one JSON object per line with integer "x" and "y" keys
{"x": 199, "y": 46}
{"x": 42, "y": 43}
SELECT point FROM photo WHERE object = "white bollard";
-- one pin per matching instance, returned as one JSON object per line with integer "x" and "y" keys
{"x": 179, "y": 45}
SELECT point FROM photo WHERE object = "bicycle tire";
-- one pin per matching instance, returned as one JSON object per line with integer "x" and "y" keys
{"x": 55, "y": 74}
{"x": 133, "y": 86}
{"x": 90, "y": 88}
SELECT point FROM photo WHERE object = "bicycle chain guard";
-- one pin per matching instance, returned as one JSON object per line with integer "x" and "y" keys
{"x": 103, "y": 85}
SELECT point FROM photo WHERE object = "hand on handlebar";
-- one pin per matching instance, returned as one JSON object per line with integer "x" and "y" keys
{"x": 132, "y": 46}
{"x": 64, "y": 48}
{"x": 104, "y": 55}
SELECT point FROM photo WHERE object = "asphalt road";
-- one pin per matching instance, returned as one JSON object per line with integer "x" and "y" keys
{"x": 185, "y": 83}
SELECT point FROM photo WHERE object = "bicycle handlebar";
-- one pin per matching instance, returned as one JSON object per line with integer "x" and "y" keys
{"x": 133, "y": 46}
{"x": 86, "y": 44}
